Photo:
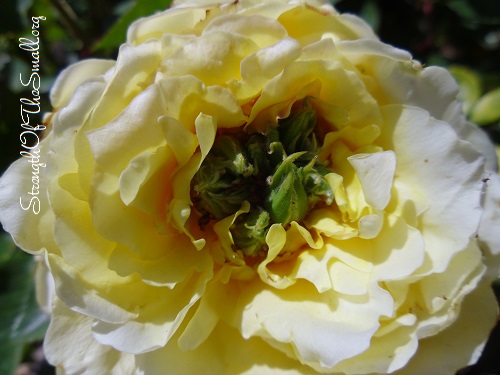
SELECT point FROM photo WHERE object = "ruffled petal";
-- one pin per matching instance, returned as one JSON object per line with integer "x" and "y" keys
{"x": 375, "y": 172}
{"x": 225, "y": 352}
{"x": 488, "y": 228}
{"x": 19, "y": 209}
{"x": 460, "y": 344}
{"x": 164, "y": 23}
{"x": 452, "y": 219}
{"x": 320, "y": 329}
{"x": 69, "y": 330}
{"x": 157, "y": 321}
{"x": 63, "y": 88}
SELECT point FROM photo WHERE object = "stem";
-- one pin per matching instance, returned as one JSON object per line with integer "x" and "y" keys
{"x": 69, "y": 19}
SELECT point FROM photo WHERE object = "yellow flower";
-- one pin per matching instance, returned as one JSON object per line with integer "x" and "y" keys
{"x": 261, "y": 187}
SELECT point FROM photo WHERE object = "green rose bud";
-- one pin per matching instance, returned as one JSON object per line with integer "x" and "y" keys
{"x": 257, "y": 149}
{"x": 249, "y": 235}
{"x": 286, "y": 199}
{"x": 296, "y": 131}
{"x": 218, "y": 192}
{"x": 317, "y": 188}
{"x": 229, "y": 153}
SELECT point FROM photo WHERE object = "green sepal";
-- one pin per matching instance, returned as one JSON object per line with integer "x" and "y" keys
{"x": 249, "y": 234}
{"x": 317, "y": 188}
{"x": 218, "y": 192}
{"x": 286, "y": 198}
{"x": 221, "y": 185}
{"x": 296, "y": 132}
{"x": 258, "y": 149}
{"x": 227, "y": 151}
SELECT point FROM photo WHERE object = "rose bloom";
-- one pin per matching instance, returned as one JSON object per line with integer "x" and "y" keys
{"x": 260, "y": 187}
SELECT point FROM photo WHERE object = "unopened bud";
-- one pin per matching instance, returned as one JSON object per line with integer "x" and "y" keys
{"x": 286, "y": 199}
{"x": 249, "y": 235}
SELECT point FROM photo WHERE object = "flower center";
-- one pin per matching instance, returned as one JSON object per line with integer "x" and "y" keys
{"x": 277, "y": 173}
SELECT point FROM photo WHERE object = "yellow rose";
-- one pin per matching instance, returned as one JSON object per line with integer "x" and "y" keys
{"x": 260, "y": 187}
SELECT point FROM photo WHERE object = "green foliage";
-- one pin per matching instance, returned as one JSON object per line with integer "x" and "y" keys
{"x": 470, "y": 86}
{"x": 476, "y": 12}
{"x": 487, "y": 108}
{"x": 21, "y": 320}
{"x": 370, "y": 12}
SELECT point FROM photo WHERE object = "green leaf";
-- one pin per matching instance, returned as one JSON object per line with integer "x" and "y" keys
{"x": 463, "y": 8}
{"x": 470, "y": 86}
{"x": 11, "y": 354}
{"x": 21, "y": 320}
{"x": 370, "y": 12}
{"x": 10, "y": 19}
{"x": 487, "y": 108}
{"x": 7, "y": 249}
{"x": 118, "y": 33}
{"x": 474, "y": 12}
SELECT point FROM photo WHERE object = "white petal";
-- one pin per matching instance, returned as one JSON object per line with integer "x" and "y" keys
{"x": 441, "y": 169}
{"x": 370, "y": 226}
{"x": 398, "y": 251}
{"x": 490, "y": 223}
{"x": 22, "y": 214}
{"x": 375, "y": 172}
{"x": 44, "y": 284}
{"x": 481, "y": 142}
{"x": 460, "y": 344}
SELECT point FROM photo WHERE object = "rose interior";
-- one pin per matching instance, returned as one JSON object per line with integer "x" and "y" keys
{"x": 278, "y": 173}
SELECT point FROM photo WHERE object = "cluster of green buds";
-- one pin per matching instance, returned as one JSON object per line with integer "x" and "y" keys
{"x": 278, "y": 173}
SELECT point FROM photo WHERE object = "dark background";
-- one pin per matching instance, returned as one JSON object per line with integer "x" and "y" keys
{"x": 462, "y": 35}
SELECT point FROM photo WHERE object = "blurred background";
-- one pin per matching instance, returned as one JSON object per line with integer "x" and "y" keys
{"x": 461, "y": 35}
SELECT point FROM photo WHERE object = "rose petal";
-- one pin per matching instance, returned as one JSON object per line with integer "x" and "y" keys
{"x": 460, "y": 344}
{"x": 321, "y": 329}
{"x": 453, "y": 218}
{"x": 375, "y": 172}
{"x": 262, "y": 30}
{"x": 170, "y": 21}
{"x": 63, "y": 88}
{"x": 68, "y": 330}
{"x": 81, "y": 296}
{"x": 488, "y": 228}
{"x": 225, "y": 352}
{"x": 158, "y": 320}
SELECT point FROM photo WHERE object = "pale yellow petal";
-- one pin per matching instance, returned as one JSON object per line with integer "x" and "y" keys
{"x": 461, "y": 344}
{"x": 275, "y": 240}
{"x": 375, "y": 172}
{"x": 64, "y": 86}
{"x": 158, "y": 320}
{"x": 179, "y": 209}
{"x": 69, "y": 330}
{"x": 81, "y": 296}
{"x": 320, "y": 329}
{"x": 452, "y": 219}
{"x": 163, "y": 23}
